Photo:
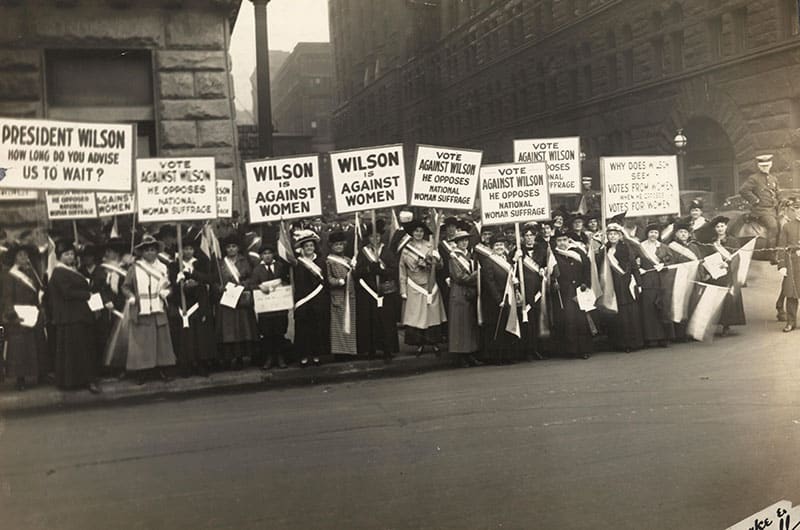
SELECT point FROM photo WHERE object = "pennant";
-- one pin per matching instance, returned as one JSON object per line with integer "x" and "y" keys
{"x": 284, "y": 245}
{"x": 685, "y": 273}
{"x": 608, "y": 300}
{"x": 745, "y": 259}
{"x": 510, "y": 297}
{"x": 582, "y": 208}
{"x": 706, "y": 314}
{"x": 209, "y": 244}
{"x": 394, "y": 226}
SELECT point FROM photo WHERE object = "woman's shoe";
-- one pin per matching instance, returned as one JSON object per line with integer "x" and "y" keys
{"x": 788, "y": 328}
{"x": 437, "y": 351}
{"x": 419, "y": 350}
{"x": 94, "y": 389}
{"x": 316, "y": 361}
{"x": 304, "y": 362}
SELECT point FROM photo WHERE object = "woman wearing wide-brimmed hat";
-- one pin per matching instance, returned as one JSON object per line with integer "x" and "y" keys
{"x": 26, "y": 348}
{"x": 73, "y": 321}
{"x": 464, "y": 338}
{"x": 146, "y": 288}
{"x": 237, "y": 329}
{"x": 312, "y": 300}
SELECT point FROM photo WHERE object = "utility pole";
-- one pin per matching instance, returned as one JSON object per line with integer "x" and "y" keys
{"x": 262, "y": 80}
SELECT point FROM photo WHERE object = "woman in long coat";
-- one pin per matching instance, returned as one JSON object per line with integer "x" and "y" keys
{"x": 146, "y": 288}
{"x": 620, "y": 278}
{"x": 499, "y": 346}
{"x": 73, "y": 322}
{"x": 343, "y": 297}
{"x": 25, "y": 344}
{"x": 534, "y": 262}
{"x": 378, "y": 297}
{"x": 423, "y": 312}
{"x": 464, "y": 335}
{"x": 653, "y": 256}
{"x": 237, "y": 329}
{"x": 572, "y": 334}
{"x": 195, "y": 345}
{"x": 789, "y": 262}
{"x": 733, "y": 306}
{"x": 312, "y": 300}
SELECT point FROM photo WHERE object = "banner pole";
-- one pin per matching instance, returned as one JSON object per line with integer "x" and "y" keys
{"x": 521, "y": 270}
{"x": 436, "y": 230}
{"x": 75, "y": 233}
{"x": 180, "y": 267}
{"x": 377, "y": 254}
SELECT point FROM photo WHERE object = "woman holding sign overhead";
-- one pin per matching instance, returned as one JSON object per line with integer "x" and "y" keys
{"x": 423, "y": 312}
{"x": 237, "y": 330}
{"x": 73, "y": 322}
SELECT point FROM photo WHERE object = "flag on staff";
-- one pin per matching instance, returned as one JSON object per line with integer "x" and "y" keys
{"x": 209, "y": 244}
{"x": 395, "y": 225}
{"x": 745, "y": 259}
{"x": 682, "y": 289}
{"x": 510, "y": 297}
{"x": 52, "y": 260}
{"x": 285, "y": 245}
{"x": 706, "y": 314}
{"x": 582, "y": 208}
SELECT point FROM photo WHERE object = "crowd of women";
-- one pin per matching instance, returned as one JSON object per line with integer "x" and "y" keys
{"x": 77, "y": 311}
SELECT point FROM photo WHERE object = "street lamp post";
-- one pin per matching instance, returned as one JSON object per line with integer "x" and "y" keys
{"x": 680, "y": 141}
{"x": 262, "y": 79}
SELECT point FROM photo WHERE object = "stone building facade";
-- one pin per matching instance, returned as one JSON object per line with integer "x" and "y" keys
{"x": 162, "y": 64}
{"x": 625, "y": 75}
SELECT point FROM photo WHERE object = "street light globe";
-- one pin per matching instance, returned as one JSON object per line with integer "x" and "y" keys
{"x": 680, "y": 140}
{"x": 583, "y": 156}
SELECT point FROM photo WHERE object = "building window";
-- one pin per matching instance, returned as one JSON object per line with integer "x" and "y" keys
{"x": 572, "y": 59}
{"x": 588, "y": 83}
{"x": 627, "y": 54}
{"x": 657, "y": 43}
{"x": 714, "y": 26}
{"x": 611, "y": 59}
{"x": 547, "y": 14}
{"x": 675, "y": 19}
{"x": 739, "y": 29}
{"x": 788, "y": 18}
{"x": 112, "y": 86}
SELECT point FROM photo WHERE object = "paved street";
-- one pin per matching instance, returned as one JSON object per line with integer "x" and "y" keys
{"x": 695, "y": 436}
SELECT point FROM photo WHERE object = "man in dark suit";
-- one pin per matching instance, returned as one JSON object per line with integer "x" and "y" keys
{"x": 272, "y": 326}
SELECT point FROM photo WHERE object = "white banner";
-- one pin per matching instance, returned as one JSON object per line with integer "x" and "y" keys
{"x": 283, "y": 188}
{"x": 640, "y": 185}
{"x": 445, "y": 178}
{"x": 70, "y": 205}
{"x": 176, "y": 189}
{"x": 279, "y": 299}
{"x": 110, "y": 204}
{"x": 563, "y": 158}
{"x": 224, "y": 199}
{"x": 18, "y": 195}
{"x": 369, "y": 178}
{"x": 59, "y": 155}
{"x": 514, "y": 193}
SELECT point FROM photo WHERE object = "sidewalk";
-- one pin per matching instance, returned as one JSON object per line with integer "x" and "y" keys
{"x": 45, "y": 397}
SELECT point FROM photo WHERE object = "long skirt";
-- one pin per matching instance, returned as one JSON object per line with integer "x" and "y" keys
{"x": 149, "y": 343}
{"x": 312, "y": 325}
{"x": 423, "y": 320}
{"x": 498, "y": 344}
{"x": 237, "y": 332}
{"x": 75, "y": 359}
{"x": 572, "y": 334}
{"x": 464, "y": 336}
{"x": 625, "y": 328}
{"x": 654, "y": 325}
{"x": 529, "y": 344}
{"x": 377, "y": 327}
{"x": 195, "y": 344}
{"x": 733, "y": 310}
{"x": 343, "y": 343}
{"x": 26, "y": 350}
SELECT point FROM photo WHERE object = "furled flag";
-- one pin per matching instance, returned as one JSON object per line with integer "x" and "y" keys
{"x": 745, "y": 259}
{"x": 209, "y": 244}
{"x": 510, "y": 297}
{"x": 706, "y": 314}
{"x": 682, "y": 288}
{"x": 285, "y": 245}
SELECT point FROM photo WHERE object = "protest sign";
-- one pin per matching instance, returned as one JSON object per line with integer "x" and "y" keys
{"x": 514, "y": 193}
{"x": 283, "y": 188}
{"x": 224, "y": 198}
{"x": 445, "y": 177}
{"x": 70, "y": 205}
{"x": 109, "y": 204}
{"x": 175, "y": 189}
{"x": 280, "y": 298}
{"x": 57, "y": 155}
{"x": 18, "y": 195}
{"x": 364, "y": 179}
{"x": 640, "y": 185}
{"x": 563, "y": 158}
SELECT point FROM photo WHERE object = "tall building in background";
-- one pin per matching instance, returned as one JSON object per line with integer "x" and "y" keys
{"x": 625, "y": 75}
{"x": 276, "y": 60}
{"x": 302, "y": 94}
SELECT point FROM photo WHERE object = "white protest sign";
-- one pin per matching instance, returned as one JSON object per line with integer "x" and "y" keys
{"x": 279, "y": 299}
{"x": 175, "y": 189}
{"x": 224, "y": 198}
{"x": 18, "y": 195}
{"x": 70, "y": 205}
{"x": 563, "y": 158}
{"x": 109, "y": 204}
{"x": 57, "y": 155}
{"x": 369, "y": 178}
{"x": 640, "y": 185}
{"x": 445, "y": 177}
{"x": 283, "y": 188}
{"x": 514, "y": 193}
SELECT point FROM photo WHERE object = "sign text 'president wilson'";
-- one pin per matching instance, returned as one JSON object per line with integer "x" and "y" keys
{"x": 369, "y": 178}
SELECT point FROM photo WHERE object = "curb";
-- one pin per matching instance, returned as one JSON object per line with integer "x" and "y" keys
{"x": 47, "y": 398}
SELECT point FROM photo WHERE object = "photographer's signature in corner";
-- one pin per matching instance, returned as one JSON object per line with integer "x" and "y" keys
{"x": 779, "y": 516}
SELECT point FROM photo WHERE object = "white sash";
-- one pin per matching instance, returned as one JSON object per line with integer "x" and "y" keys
{"x": 682, "y": 250}
{"x": 114, "y": 269}
{"x": 649, "y": 253}
{"x": 528, "y": 262}
{"x": 414, "y": 250}
{"x": 373, "y": 294}
{"x": 403, "y": 242}
{"x": 149, "y": 299}
{"x": 500, "y": 262}
{"x": 374, "y": 256}
{"x": 311, "y": 266}
{"x": 462, "y": 259}
{"x": 232, "y": 269}
{"x": 422, "y": 291}
{"x": 341, "y": 261}
{"x": 346, "y": 264}
{"x": 185, "y": 316}
{"x": 60, "y": 265}
{"x": 22, "y": 277}
{"x": 723, "y": 251}
{"x": 308, "y": 298}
